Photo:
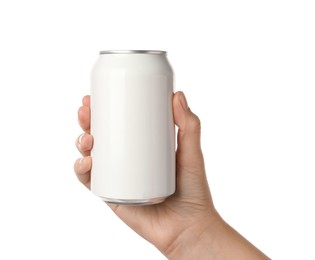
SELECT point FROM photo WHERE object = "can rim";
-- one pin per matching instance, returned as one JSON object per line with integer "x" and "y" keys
{"x": 132, "y": 52}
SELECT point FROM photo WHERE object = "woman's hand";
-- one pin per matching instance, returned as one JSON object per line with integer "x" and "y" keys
{"x": 186, "y": 225}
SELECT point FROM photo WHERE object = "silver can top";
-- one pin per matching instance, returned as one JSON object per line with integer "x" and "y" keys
{"x": 133, "y": 52}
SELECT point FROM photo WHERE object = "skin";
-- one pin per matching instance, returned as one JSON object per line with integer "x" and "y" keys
{"x": 186, "y": 225}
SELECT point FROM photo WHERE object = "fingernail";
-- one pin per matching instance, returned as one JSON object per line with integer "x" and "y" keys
{"x": 183, "y": 101}
{"x": 81, "y": 161}
{"x": 80, "y": 139}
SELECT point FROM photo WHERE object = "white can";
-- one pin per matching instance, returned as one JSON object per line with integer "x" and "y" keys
{"x": 133, "y": 155}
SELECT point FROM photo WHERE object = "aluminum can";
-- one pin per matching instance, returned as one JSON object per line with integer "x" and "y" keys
{"x": 133, "y": 155}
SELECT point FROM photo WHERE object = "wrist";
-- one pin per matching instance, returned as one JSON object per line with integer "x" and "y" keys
{"x": 212, "y": 238}
{"x": 197, "y": 241}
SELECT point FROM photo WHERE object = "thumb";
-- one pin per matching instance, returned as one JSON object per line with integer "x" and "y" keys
{"x": 188, "y": 137}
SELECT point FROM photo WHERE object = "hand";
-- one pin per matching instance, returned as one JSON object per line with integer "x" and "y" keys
{"x": 186, "y": 225}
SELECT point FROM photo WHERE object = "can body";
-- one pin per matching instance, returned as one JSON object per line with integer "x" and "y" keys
{"x": 133, "y": 155}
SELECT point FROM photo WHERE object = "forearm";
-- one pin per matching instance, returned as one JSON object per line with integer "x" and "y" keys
{"x": 217, "y": 240}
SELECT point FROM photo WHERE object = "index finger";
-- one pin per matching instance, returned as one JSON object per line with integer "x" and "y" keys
{"x": 84, "y": 114}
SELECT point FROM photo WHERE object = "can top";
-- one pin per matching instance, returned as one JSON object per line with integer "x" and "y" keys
{"x": 132, "y": 52}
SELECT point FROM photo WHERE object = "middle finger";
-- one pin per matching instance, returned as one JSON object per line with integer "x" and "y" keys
{"x": 84, "y": 143}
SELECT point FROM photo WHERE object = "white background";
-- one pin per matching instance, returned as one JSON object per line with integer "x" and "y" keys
{"x": 248, "y": 71}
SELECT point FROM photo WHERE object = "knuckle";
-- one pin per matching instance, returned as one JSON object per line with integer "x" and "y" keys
{"x": 195, "y": 123}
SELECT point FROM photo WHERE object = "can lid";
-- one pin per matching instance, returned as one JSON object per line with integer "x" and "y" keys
{"x": 132, "y": 52}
